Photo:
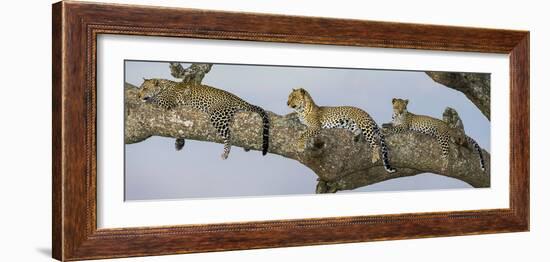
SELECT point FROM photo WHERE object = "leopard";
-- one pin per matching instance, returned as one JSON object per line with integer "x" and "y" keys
{"x": 220, "y": 105}
{"x": 353, "y": 119}
{"x": 403, "y": 121}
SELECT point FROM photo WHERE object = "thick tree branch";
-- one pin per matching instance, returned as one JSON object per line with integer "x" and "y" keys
{"x": 476, "y": 87}
{"x": 339, "y": 161}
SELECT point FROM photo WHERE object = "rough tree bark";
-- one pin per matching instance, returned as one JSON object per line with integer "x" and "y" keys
{"x": 476, "y": 87}
{"x": 340, "y": 162}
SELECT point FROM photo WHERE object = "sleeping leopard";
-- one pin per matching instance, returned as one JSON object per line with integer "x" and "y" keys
{"x": 220, "y": 105}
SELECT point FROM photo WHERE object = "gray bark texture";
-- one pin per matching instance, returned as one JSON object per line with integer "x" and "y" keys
{"x": 339, "y": 161}
{"x": 476, "y": 87}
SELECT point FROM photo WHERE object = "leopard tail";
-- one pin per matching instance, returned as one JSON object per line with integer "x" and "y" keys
{"x": 265, "y": 131}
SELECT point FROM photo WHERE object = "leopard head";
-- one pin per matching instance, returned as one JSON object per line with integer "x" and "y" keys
{"x": 399, "y": 106}
{"x": 298, "y": 99}
{"x": 150, "y": 89}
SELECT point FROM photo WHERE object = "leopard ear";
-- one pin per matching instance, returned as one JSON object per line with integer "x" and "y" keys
{"x": 406, "y": 101}
{"x": 302, "y": 91}
{"x": 393, "y": 100}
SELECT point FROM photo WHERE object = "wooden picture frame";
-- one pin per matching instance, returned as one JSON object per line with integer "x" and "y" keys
{"x": 76, "y": 26}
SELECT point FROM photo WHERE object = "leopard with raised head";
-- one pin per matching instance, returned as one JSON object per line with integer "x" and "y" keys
{"x": 220, "y": 105}
{"x": 403, "y": 120}
{"x": 353, "y": 119}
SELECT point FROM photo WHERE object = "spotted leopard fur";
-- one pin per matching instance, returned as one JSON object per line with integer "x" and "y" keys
{"x": 351, "y": 118}
{"x": 220, "y": 105}
{"x": 403, "y": 120}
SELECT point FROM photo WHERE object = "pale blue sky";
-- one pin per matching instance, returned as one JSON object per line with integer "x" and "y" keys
{"x": 154, "y": 170}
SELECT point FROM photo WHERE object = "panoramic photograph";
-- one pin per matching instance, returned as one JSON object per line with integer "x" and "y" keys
{"x": 205, "y": 130}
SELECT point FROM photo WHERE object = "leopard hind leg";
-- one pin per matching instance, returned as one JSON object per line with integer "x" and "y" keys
{"x": 371, "y": 139}
{"x": 179, "y": 144}
{"x": 443, "y": 142}
{"x": 221, "y": 120}
{"x": 383, "y": 149}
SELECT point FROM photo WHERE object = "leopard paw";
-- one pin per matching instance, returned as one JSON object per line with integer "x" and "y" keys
{"x": 375, "y": 157}
{"x": 180, "y": 142}
{"x": 375, "y": 154}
